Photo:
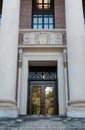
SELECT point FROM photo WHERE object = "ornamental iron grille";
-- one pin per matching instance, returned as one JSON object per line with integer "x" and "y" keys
{"x": 43, "y": 75}
{"x": 43, "y": 14}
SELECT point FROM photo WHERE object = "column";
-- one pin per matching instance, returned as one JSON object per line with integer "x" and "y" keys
{"x": 8, "y": 57}
{"x": 76, "y": 57}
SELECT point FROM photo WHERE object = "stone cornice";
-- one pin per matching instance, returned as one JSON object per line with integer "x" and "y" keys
{"x": 42, "y": 30}
{"x": 76, "y": 102}
{"x": 41, "y": 46}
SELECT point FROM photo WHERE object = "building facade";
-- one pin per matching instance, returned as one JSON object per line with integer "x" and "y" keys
{"x": 42, "y": 63}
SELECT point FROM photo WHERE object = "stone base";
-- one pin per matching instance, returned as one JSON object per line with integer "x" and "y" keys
{"x": 76, "y": 109}
{"x": 76, "y": 114}
{"x": 8, "y": 109}
{"x": 8, "y": 114}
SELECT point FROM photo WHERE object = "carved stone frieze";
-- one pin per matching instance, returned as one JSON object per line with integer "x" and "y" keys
{"x": 26, "y": 38}
{"x": 36, "y": 37}
{"x": 58, "y": 38}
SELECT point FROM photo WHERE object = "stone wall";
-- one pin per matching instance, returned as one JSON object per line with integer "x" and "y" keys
{"x": 25, "y": 14}
{"x": 59, "y": 7}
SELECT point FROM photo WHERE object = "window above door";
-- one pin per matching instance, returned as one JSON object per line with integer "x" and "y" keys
{"x": 43, "y": 14}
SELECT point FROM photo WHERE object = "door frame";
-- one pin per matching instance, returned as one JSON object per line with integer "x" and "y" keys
{"x": 41, "y": 56}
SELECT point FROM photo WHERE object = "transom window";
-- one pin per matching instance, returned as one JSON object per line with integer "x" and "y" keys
{"x": 43, "y": 14}
{"x": 0, "y": 10}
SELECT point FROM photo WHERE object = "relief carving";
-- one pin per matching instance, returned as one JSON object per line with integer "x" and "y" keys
{"x": 43, "y": 38}
{"x": 58, "y": 38}
{"x": 26, "y": 38}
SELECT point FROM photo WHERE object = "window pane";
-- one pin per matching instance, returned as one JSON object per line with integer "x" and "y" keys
{"x": 40, "y": 26}
{"x": 50, "y": 20}
{"x": 39, "y": 1}
{"x": 46, "y": 6}
{"x": 46, "y": 1}
{"x": 40, "y": 20}
{"x": 39, "y": 6}
{"x": 45, "y": 26}
{"x": 51, "y": 26}
{"x": 34, "y": 20}
{"x": 45, "y": 20}
{"x": 34, "y": 26}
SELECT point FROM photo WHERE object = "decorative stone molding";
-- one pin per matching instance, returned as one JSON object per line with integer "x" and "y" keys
{"x": 8, "y": 102}
{"x": 65, "y": 57}
{"x": 76, "y": 102}
{"x": 43, "y": 37}
{"x": 20, "y": 58}
{"x": 26, "y": 38}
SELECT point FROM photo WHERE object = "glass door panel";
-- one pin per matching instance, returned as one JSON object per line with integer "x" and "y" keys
{"x": 36, "y": 101}
{"x": 43, "y": 98}
{"x": 49, "y": 100}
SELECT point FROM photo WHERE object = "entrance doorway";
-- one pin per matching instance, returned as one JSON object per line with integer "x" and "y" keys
{"x": 43, "y": 91}
{"x": 43, "y": 98}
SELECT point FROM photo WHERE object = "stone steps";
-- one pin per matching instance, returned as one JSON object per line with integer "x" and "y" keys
{"x": 42, "y": 123}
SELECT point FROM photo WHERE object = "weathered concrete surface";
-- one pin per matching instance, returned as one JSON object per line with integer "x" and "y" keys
{"x": 42, "y": 123}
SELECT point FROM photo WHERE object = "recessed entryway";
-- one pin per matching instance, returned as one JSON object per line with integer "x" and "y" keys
{"x": 43, "y": 90}
{"x": 40, "y": 61}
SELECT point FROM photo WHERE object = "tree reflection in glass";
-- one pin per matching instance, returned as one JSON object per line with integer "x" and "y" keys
{"x": 36, "y": 100}
{"x": 49, "y": 101}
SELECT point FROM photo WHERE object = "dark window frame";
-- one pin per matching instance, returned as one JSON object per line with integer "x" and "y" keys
{"x": 43, "y": 14}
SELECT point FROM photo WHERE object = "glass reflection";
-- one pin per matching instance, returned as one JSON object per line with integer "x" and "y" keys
{"x": 39, "y": 1}
{"x": 45, "y": 26}
{"x": 35, "y": 20}
{"x": 35, "y": 26}
{"x": 49, "y": 101}
{"x": 39, "y": 6}
{"x": 40, "y": 26}
{"x": 45, "y": 20}
{"x": 36, "y": 100}
{"x": 46, "y": 6}
{"x": 40, "y": 20}
{"x": 46, "y": 1}
{"x": 50, "y": 26}
{"x": 50, "y": 20}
